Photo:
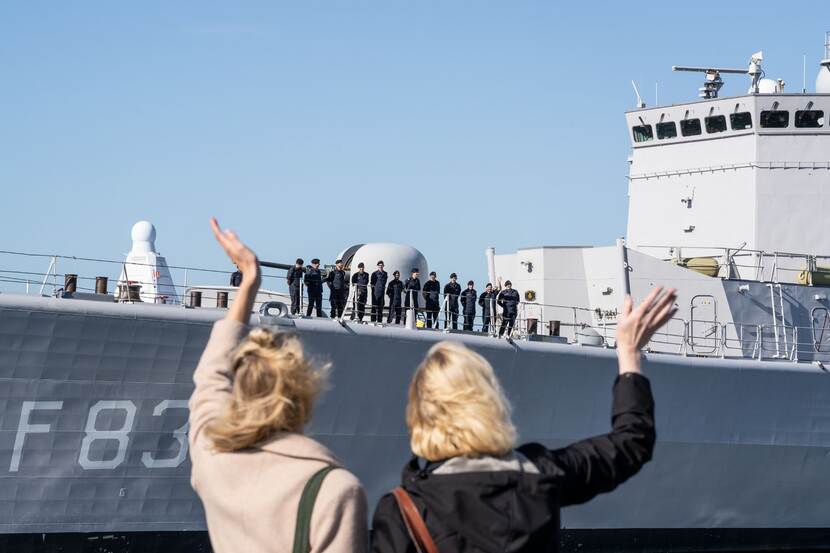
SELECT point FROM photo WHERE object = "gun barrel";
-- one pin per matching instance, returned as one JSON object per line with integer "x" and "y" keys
{"x": 272, "y": 265}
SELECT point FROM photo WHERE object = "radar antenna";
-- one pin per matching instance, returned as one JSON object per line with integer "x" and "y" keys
{"x": 712, "y": 82}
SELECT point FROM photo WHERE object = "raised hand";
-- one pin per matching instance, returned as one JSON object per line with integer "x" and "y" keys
{"x": 636, "y": 326}
{"x": 240, "y": 254}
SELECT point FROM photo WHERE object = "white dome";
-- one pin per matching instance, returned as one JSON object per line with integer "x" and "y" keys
{"x": 144, "y": 236}
{"x": 823, "y": 80}
{"x": 395, "y": 257}
{"x": 768, "y": 86}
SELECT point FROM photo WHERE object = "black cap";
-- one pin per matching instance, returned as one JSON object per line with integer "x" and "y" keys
{"x": 360, "y": 265}
{"x": 470, "y": 283}
{"x": 415, "y": 270}
{"x": 338, "y": 261}
{"x": 432, "y": 273}
{"x": 299, "y": 261}
{"x": 315, "y": 261}
{"x": 489, "y": 284}
{"x": 453, "y": 275}
{"x": 396, "y": 273}
{"x": 508, "y": 283}
{"x": 381, "y": 262}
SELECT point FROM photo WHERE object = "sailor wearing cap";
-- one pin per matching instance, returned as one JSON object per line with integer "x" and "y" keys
{"x": 360, "y": 280}
{"x": 394, "y": 290}
{"x": 452, "y": 292}
{"x": 338, "y": 289}
{"x": 411, "y": 288}
{"x": 508, "y": 299}
{"x": 432, "y": 291}
{"x": 314, "y": 285}
{"x": 378, "y": 284}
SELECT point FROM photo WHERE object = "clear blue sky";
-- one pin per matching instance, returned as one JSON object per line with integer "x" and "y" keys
{"x": 310, "y": 126}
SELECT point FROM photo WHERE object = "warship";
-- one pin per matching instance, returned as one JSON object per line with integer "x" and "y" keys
{"x": 726, "y": 201}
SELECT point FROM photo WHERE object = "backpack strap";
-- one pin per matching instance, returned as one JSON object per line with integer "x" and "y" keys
{"x": 302, "y": 531}
{"x": 415, "y": 525}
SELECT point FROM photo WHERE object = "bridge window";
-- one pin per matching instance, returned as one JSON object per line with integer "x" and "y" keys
{"x": 666, "y": 130}
{"x": 715, "y": 123}
{"x": 740, "y": 121}
{"x": 775, "y": 119}
{"x": 809, "y": 119}
{"x": 643, "y": 133}
{"x": 690, "y": 127}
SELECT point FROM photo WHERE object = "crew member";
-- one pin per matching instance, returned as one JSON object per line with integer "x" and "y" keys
{"x": 378, "y": 282}
{"x": 338, "y": 289}
{"x": 452, "y": 291}
{"x": 294, "y": 277}
{"x": 508, "y": 299}
{"x": 487, "y": 301}
{"x": 394, "y": 290}
{"x": 432, "y": 293}
{"x": 360, "y": 280}
{"x": 314, "y": 285}
{"x": 411, "y": 289}
{"x": 236, "y": 278}
{"x": 468, "y": 303}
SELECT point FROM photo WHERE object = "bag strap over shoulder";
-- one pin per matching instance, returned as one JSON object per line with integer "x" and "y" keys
{"x": 302, "y": 531}
{"x": 414, "y": 523}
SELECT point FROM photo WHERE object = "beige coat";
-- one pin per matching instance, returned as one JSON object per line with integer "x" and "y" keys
{"x": 251, "y": 496}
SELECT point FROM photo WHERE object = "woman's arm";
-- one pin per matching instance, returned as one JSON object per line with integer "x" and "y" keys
{"x": 600, "y": 464}
{"x": 213, "y": 376}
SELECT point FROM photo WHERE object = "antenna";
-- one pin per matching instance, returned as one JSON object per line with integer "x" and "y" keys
{"x": 640, "y": 103}
{"x": 712, "y": 82}
{"x": 804, "y": 74}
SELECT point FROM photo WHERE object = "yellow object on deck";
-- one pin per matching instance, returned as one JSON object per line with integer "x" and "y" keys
{"x": 708, "y": 266}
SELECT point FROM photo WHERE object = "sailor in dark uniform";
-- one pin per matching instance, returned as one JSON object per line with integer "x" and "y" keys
{"x": 314, "y": 285}
{"x": 294, "y": 278}
{"x": 360, "y": 280}
{"x": 412, "y": 289}
{"x": 432, "y": 298}
{"x": 236, "y": 278}
{"x": 509, "y": 300}
{"x": 468, "y": 305}
{"x": 452, "y": 292}
{"x": 395, "y": 290}
{"x": 487, "y": 301}
{"x": 338, "y": 289}
{"x": 378, "y": 285}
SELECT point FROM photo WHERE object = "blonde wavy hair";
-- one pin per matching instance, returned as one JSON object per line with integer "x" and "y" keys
{"x": 457, "y": 407}
{"x": 274, "y": 389}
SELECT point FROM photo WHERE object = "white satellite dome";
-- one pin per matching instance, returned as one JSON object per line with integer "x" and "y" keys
{"x": 395, "y": 257}
{"x": 144, "y": 237}
{"x": 769, "y": 86}
{"x": 823, "y": 78}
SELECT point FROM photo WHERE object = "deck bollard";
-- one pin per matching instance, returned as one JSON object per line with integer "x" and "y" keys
{"x": 101, "y": 285}
{"x": 70, "y": 283}
{"x": 222, "y": 300}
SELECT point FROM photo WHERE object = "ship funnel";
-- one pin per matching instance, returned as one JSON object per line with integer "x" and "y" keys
{"x": 823, "y": 78}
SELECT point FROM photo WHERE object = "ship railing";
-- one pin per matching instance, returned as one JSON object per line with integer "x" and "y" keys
{"x": 748, "y": 264}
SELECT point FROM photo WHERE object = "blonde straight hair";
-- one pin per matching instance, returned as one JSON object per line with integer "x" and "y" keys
{"x": 274, "y": 389}
{"x": 457, "y": 407}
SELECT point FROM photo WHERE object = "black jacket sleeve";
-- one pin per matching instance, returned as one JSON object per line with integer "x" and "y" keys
{"x": 389, "y": 534}
{"x": 597, "y": 465}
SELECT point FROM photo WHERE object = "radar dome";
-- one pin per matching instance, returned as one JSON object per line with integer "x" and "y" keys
{"x": 823, "y": 79}
{"x": 395, "y": 257}
{"x": 144, "y": 236}
{"x": 769, "y": 86}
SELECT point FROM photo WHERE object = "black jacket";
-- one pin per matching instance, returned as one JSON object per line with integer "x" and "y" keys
{"x": 487, "y": 301}
{"x": 413, "y": 284}
{"x": 432, "y": 288}
{"x": 394, "y": 290}
{"x": 361, "y": 281}
{"x": 512, "y": 505}
{"x": 452, "y": 290}
{"x": 378, "y": 282}
{"x": 509, "y": 300}
{"x": 337, "y": 281}
{"x": 314, "y": 282}
{"x": 468, "y": 301}
{"x": 295, "y": 274}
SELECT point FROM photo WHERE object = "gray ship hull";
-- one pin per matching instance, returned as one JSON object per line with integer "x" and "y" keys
{"x": 92, "y": 423}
